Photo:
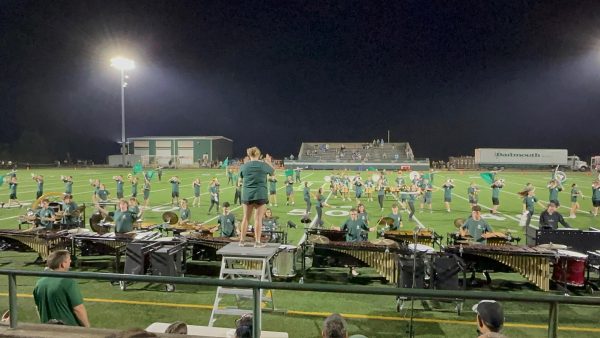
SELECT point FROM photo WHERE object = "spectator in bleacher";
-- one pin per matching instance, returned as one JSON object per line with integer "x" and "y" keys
{"x": 60, "y": 298}
{"x": 490, "y": 319}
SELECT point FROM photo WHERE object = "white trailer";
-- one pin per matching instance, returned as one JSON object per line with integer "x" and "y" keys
{"x": 511, "y": 157}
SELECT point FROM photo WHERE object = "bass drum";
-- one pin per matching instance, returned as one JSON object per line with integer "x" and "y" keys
{"x": 284, "y": 262}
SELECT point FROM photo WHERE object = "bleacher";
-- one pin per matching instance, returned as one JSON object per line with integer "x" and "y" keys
{"x": 355, "y": 152}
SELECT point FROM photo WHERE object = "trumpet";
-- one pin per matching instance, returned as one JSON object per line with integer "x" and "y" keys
{"x": 174, "y": 179}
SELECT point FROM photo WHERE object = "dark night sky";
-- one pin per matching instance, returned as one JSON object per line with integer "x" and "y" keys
{"x": 447, "y": 76}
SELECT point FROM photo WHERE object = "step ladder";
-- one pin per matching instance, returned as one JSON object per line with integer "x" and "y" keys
{"x": 243, "y": 263}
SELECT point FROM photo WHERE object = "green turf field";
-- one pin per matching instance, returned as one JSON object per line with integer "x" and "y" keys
{"x": 375, "y": 316}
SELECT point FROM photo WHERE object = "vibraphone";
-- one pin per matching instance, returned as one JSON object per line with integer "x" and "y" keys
{"x": 425, "y": 237}
{"x": 531, "y": 263}
{"x": 332, "y": 235}
{"x": 205, "y": 247}
{"x": 360, "y": 254}
{"x": 41, "y": 241}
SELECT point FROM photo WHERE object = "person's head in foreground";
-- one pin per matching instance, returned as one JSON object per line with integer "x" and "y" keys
{"x": 243, "y": 326}
{"x": 334, "y": 326}
{"x": 490, "y": 318}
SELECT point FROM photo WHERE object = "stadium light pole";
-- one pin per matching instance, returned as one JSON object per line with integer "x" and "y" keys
{"x": 122, "y": 64}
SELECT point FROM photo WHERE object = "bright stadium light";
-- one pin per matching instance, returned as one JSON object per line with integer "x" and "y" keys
{"x": 122, "y": 64}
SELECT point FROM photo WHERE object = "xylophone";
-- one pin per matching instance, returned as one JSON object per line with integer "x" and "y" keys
{"x": 205, "y": 247}
{"x": 531, "y": 263}
{"x": 95, "y": 244}
{"x": 332, "y": 235}
{"x": 38, "y": 240}
{"x": 360, "y": 254}
{"x": 426, "y": 237}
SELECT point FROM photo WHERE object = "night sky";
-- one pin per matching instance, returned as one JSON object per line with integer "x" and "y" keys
{"x": 446, "y": 76}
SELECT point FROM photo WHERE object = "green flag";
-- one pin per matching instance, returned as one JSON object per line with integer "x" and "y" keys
{"x": 1, "y": 179}
{"x": 488, "y": 177}
{"x": 149, "y": 174}
{"x": 289, "y": 172}
{"x": 225, "y": 163}
{"x": 426, "y": 176}
{"x": 137, "y": 168}
{"x": 371, "y": 169}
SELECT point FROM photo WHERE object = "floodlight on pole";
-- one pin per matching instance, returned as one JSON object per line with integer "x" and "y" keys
{"x": 122, "y": 64}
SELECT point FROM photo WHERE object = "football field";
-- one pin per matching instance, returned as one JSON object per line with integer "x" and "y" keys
{"x": 302, "y": 313}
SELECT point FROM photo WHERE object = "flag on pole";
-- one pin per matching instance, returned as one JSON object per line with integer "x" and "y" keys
{"x": 149, "y": 174}
{"x": 225, "y": 163}
{"x": 487, "y": 177}
{"x": 426, "y": 176}
{"x": 289, "y": 172}
{"x": 137, "y": 168}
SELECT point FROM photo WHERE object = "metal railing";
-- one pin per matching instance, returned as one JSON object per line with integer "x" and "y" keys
{"x": 552, "y": 300}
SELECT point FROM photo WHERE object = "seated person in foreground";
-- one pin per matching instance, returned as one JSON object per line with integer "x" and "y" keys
{"x": 550, "y": 218}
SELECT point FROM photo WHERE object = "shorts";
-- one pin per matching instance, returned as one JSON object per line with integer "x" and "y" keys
{"x": 596, "y": 203}
{"x": 495, "y": 201}
{"x": 427, "y": 200}
{"x": 196, "y": 195}
{"x": 256, "y": 202}
{"x": 289, "y": 193}
{"x": 472, "y": 201}
{"x": 119, "y": 195}
{"x": 146, "y": 194}
{"x": 448, "y": 199}
{"x": 175, "y": 194}
{"x": 13, "y": 196}
{"x": 272, "y": 192}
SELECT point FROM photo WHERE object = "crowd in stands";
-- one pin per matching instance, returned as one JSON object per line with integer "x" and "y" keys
{"x": 377, "y": 150}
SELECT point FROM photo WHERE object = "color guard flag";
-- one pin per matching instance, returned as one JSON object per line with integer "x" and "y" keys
{"x": 289, "y": 172}
{"x": 137, "y": 168}
{"x": 225, "y": 163}
{"x": 487, "y": 177}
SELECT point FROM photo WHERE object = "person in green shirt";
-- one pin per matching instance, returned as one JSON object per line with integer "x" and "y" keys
{"x": 473, "y": 194}
{"x": 272, "y": 190}
{"x": 412, "y": 197}
{"x": 575, "y": 194}
{"x": 119, "y": 180}
{"x": 298, "y": 171}
{"x": 397, "y": 217}
{"x": 69, "y": 208}
{"x": 475, "y": 226}
{"x": 174, "y": 190}
{"x": 68, "y": 181}
{"x": 356, "y": 228}
{"x": 196, "y": 186}
{"x": 237, "y": 197}
{"x": 60, "y": 298}
{"x": 226, "y": 222}
{"x": 427, "y": 190}
{"x": 103, "y": 193}
{"x": 529, "y": 202}
{"x": 595, "y": 197}
{"x": 159, "y": 172}
{"x": 254, "y": 174}
{"x": 46, "y": 215}
{"x": 134, "y": 208}
{"x": 448, "y": 186}
{"x": 496, "y": 186}
{"x": 39, "y": 180}
{"x": 270, "y": 224}
{"x": 230, "y": 176}
{"x": 554, "y": 188}
{"x": 146, "y": 189}
{"x": 124, "y": 218}
{"x": 213, "y": 191}
{"x": 12, "y": 188}
{"x": 134, "y": 186}
{"x": 362, "y": 213}
{"x": 306, "y": 196}
{"x": 319, "y": 207}
{"x": 380, "y": 192}
{"x": 358, "y": 188}
{"x": 184, "y": 212}
{"x": 289, "y": 191}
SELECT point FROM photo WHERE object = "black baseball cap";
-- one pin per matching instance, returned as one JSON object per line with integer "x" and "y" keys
{"x": 490, "y": 312}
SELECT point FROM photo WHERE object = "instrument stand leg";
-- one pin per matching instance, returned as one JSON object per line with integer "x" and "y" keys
{"x": 488, "y": 278}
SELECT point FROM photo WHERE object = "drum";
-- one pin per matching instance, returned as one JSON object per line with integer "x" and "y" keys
{"x": 570, "y": 268}
{"x": 421, "y": 248}
{"x": 284, "y": 262}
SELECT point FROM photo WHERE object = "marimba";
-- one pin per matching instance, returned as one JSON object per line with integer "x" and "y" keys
{"x": 36, "y": 239}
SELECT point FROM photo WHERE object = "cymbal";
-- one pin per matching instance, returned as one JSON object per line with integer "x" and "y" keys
{"x": 459, "y": 222}
{"x": 386, "y": 221}
{"x": 305, "y": 220}
{"x": 207, "y": 226}
{"x": 552, "y": 246}
{"x": 170, "y": 217}
{"x": 383, "y": 242}
{"x": 318, "y": 239}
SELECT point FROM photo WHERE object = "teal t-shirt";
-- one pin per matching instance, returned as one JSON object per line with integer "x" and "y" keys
{"x": 289, "y": 187}
{"x": 397, "y": 219}
{"x": 175, "y": 186}
{"x": 13, "y": 188}
{"x": 254, "y": 175}
{"x": 124, "y": 221}
{"x": 530, "y": 203}
{"x": 40, "y": 186}
{"x": 448, "y": 191}
{"x": 197, "y": 189}
{"x": 45, "y": 213}
{"x": 134, "y": 187}
{"x": 306, "y": 193}
{"x": 553, "y": 192}
{"x": 477, "y": 228}
{"x": 185, "y": 214}
{"x": 574, "y": 194}
{"x": 119, "y": 187}
{"x": 596, "y": 194}
{"x": 273, "y": 185}
{"x": 495, "y": 192}
{"x": 354, "y": 229}
{"x": 68, "y": 187}
{"x": 103, "y": 194}
{"x": 227, "y": 223}
{"x": 55, "y": 298}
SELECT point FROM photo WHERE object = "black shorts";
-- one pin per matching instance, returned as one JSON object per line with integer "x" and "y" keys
{"x": 13, "y": 196}
{"x": 495, "y": 201}
{"x": 175, "y": 194}
{"x": 119, "y": 195}
{"x": 272, "y": 192}
{"x": 256, "y": 202}
{"x": 596, "y": 203}
{"x": 448, "y": 199}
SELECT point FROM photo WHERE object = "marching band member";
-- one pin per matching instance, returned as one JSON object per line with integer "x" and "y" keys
{"x": 380, "y": 192}
{"x": 159, "y": 171}
{"x": 213, "y": 191}
{"x": 272, "y": 190}
{"x": 146, "y": 189}
{"x": 230, "y": 176}
{"x": 448, "y": 186}
{"x": 39, "y": 180}
{"x": 196, "y": 186}
{"x": 412, "y": 197}
{"x": 397, "y": 217}
{"x": 123, "y": 217}
{"x": 226, "y": 222}
{"x": 345, "y": 188}
{"x": 356, "y": 230}
{"x": 369, "y": 189}
{"x": 473, "y": 194}
{"x": 475, "y": 226}
{"x": 96, "y": 184}
{"x": 119, "y": 180}
{"x": 289, "y": 191}
{"x": 427, "y": 190}
{"x": 554, "y": 187}
{"x": 319, "y": 206}
{"x": 69, "y": 207}
{"x": 529, "y": 201}
{"x": 575, "y": 193}
{"x": 174, "y": 190}
{"x": 550, "y": 218}
{"x": 134, "y": 186}
{"x": 496, "y": 186}
{"x": 12, "y": 188}
{"x": 68, "y": 180}
{"x": 134, "y": 208}
{"x": 103, "y": 193}
{"x": 46, "y": 215}
{"x": 595, "y": 197}
{"x": 358, "y": 188}
{"x": 333, "y": 186}
{"x": 237, "y": 199}
{"x": 298, "y": 170}
{"x": 306, "y": 196}
{"x": 362, "y": 213}
{"x": 184, "y": 212}
{"x": 270, "y": 223}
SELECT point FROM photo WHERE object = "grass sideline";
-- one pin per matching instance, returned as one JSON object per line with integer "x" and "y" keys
{"x": 373, "y": 316}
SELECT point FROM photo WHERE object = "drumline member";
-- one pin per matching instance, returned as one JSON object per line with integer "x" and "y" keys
{"x": 39, "y": 180}
{"x": 254, "y": 192}
{"x": 595, "y": 197}
{"x": 196, "y": 185}
{"x": 550, "y": 218}
{"x": 575, "y": 193}
{"x": 496, "y": 186}
{"x": 12, "y": 187}
{"x": 427, "y": 190}
{"x": 226, "y": 222}
{"x": 68, "y": 180}
{"x": 272, "y": 190}
{"x": 448, "y": 186}
{"x": 174, "y": 190}
{"x": 119, "y": 180}
{"x": 397, "y": 217}
{"x": 46, "y": 215}
{"x": 306, "y": 196}
{"x": 319, "y": 207}
{"x": 184, "y": 212}
{"x": 237, "y": 199}
{"x": 473, "y": 194}
{"x": 475, "y": 226}
{"x": 358, "y": 188}
{"x": 134, "y": 186}
{"x": 380, "y": 192}
{"x": 289, "y": 191}
{"x": 123, "y": 217}
{"x": 69, "y": 207}
{"x": 213, "y": 191}
{"x": 554, "y": 187}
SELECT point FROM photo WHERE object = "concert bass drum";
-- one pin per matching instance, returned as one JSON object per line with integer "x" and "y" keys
{"x": 284, "y": 262}
{"x": 570, "y": 268}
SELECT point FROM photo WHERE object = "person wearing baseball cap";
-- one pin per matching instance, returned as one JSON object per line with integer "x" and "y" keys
{"x": 490, "y": 319}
